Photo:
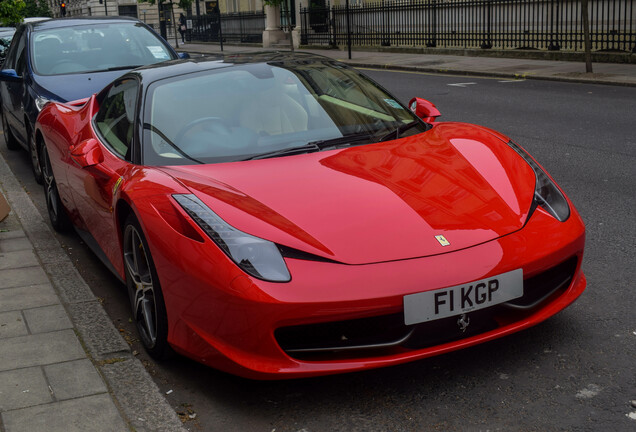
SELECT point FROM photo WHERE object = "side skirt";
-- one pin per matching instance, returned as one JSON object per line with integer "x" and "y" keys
{"x": 97, "y": 250}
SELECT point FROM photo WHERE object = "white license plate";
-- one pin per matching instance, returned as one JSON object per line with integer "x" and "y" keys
{"x": 456, "y": 300}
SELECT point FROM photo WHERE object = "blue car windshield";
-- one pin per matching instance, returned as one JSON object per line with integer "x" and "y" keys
{"x": 94, "y": 48}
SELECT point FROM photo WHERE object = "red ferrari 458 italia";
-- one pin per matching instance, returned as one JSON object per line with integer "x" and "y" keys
{"x": 278, "y": 216}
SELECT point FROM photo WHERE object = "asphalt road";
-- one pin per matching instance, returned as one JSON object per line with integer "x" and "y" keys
{"x": 577, "y": 371}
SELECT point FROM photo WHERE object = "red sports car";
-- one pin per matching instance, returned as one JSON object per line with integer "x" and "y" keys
{"x": 279, "y": 216}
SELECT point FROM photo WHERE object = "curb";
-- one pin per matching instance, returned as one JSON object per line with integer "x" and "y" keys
{"x": 137, "y": 397}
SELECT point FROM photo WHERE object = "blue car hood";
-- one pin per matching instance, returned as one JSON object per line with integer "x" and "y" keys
{"x": 64, "y": 88}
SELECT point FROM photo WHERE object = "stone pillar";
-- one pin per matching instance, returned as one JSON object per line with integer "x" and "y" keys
{"x": 297, "y": 30}
{"x": 272, "y": 33}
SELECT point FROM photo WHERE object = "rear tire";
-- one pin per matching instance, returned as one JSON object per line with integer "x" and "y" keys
{"x": 57, "y": 213}
{"x": 144, "y": 291}
{"x": 9, "y": 139}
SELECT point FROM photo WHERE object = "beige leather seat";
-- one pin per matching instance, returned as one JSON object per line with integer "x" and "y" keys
{"x": 273, "y": 113}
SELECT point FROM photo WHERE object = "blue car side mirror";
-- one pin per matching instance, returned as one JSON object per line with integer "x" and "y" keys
{"x": 9, "y": 75}
{"x": 184, "y": 55}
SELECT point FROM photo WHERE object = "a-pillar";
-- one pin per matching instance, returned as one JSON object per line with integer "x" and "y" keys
{"x": 272, "y": 33}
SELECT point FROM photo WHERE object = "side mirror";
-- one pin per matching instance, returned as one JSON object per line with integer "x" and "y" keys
{"x": 424, "y": 109}
{"x": 9, "y": 75}
{"x": 87, "y": 153}
{"x": 183, "y": 55}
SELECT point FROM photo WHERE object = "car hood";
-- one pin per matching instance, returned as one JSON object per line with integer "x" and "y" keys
{"x": 377, "y": 202}
{"x": 64, "y": 88}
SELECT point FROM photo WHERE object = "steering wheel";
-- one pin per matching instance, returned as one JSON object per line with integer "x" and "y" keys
{"x": 216, "y": 124}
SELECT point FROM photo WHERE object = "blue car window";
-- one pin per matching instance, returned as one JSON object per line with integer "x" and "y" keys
{"x": 20, "y": 64}
{"x": 5, "y": 41}
{"x": 15, "y": 50}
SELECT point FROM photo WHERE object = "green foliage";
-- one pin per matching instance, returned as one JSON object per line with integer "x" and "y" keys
{"x": 11, "y": 12}
{"x": 183, "y": 4}
{"x": 37, "y": 8}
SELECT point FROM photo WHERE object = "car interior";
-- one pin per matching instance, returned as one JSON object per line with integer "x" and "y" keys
{"x": 230, "y": 114}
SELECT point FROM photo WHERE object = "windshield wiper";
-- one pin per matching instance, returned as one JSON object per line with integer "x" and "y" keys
{"x": 170, "y": 143}
{"x": 116, "y": 68}
{"x": 395, "y": 133}
{"x": 313, "y": 146}
{"x": 306, "y": 148}
{"x": 346, "y": 139}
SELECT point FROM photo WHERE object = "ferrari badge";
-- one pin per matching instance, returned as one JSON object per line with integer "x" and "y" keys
{"x": 442, "y": 240}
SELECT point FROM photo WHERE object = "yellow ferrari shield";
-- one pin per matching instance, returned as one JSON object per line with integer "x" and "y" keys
{"x": 442, "y": 240}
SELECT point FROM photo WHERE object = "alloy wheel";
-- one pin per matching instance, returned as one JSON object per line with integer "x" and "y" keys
{"x": 143, "y": 297}
{"x": 50, "y": 189}
{"x": 57, "y": 213}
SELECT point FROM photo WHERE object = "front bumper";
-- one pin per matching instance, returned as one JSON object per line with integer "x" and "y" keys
{"x": 221, "y": 317}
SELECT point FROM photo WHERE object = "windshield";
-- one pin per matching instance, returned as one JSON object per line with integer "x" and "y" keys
{"x": 240, "y": 112}
{"x": 95, "y": 47}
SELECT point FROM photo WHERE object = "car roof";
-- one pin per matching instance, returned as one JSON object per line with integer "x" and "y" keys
{"x": 168, "y": 69}
{"x": 35, "y": 19}
{"x": 75, "y": 21}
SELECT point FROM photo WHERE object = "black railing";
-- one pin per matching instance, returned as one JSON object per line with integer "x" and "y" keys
{"x": 235, "y": 27}
{"x": 502, "y": 24}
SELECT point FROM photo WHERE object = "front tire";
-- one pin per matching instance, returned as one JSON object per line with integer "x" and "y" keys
{"x": 36, "y": 165}
{"x": 57, "y": 213}
{"x": 9, "y": 139}
{"x": 144, "y": 291}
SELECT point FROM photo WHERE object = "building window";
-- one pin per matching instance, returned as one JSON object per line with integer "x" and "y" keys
{"x": 128, "y": 10}
{"x": 232, "y": 6}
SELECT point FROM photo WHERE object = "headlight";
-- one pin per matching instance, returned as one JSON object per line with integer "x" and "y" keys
{"x": 546, "y": 194}
{"x": 256, "y": 256}
{"x": 40, "y": 102}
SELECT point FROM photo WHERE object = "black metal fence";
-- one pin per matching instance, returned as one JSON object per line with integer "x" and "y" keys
{"x": 234, "y": 27}
{"x": 503, "y": 24}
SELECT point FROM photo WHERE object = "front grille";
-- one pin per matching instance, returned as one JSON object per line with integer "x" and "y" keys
{"x": 387, "y": 334}
{"x": 539, "y": 287}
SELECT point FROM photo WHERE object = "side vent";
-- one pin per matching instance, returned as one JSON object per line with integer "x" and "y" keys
{"x": 177, "y": 220}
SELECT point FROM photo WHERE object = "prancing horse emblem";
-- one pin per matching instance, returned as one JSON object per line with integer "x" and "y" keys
{"x": 442, "y": 240}
{"x": 463, "y": 322}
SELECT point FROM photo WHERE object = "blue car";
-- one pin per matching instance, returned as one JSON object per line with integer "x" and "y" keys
{"x": 65, "y": 60}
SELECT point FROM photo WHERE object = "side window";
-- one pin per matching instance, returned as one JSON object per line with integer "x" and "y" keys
{"x": 116, "y": 115}
{"x": 20, "y": 63}
{"x": 15, "y": 51}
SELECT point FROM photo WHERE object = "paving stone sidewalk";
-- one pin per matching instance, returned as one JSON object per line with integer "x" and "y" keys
{"x": 623, "y": 74}
{"x": 63, "y": 364}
